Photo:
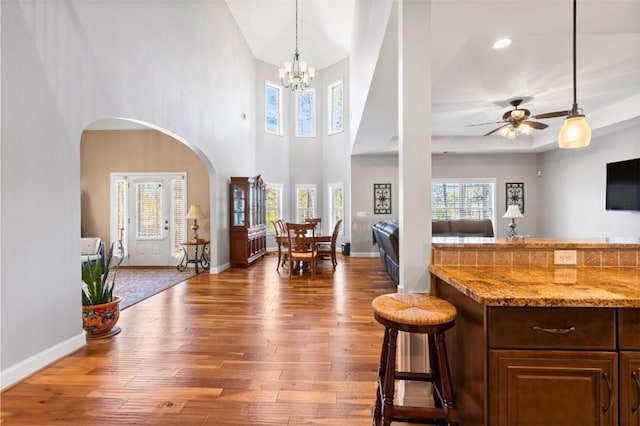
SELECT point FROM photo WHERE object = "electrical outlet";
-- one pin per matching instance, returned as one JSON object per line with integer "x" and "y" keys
{"x": 565, "y": 257}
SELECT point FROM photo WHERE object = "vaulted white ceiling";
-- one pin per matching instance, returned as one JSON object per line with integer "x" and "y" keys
{"x": 471, "y": 82}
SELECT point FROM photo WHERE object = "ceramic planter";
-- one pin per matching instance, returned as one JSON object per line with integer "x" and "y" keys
{"x": 99, "y": 321}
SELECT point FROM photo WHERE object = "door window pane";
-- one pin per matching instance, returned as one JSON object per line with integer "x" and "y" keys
{"x": 149, "y": 210}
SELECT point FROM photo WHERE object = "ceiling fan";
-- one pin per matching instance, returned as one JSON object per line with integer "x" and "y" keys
{"x": 518, "y": 120}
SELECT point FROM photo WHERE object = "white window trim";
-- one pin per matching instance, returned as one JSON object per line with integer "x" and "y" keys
{"x": 313, "y": 113}
{"x": 330, "y": 87}
{"x": 280, "y": 187}
{"x": 472, "y": 180}
{"x": 267, "y": 85}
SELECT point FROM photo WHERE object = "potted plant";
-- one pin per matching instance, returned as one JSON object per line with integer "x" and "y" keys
{"x": 100, "y": 308}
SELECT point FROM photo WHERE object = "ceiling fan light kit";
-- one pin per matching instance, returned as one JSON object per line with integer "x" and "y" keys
{"x": 575, "y": 132}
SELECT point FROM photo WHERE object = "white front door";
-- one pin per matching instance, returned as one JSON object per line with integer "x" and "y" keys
{"x": 148, "y": 218}
{"x": 149, "y": 243}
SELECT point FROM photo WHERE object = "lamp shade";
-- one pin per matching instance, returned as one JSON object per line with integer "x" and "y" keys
{"x": 575, "y": 132}
{"x": 195, "y": 212}
{"x": 513, "y": 211}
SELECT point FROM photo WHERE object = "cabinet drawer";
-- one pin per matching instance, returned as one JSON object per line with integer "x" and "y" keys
{"x": 552, "y": 328}
{"x": 629, "y": 328}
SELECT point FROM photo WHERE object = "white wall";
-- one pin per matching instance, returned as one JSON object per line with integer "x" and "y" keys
{"x": 573, "y": 187}
{"x": 369, "y": 169}
{"x": 183, "y": 67}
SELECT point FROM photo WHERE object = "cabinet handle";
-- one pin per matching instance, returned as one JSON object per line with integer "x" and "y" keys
{"x": 606, "y": 378}
{"x": 555, "y": 330}
{"x": 634, "y": 375}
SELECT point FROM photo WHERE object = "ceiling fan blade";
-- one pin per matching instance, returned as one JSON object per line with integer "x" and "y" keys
{"x": 536, "y": 125}
{"x": 484, "y": 124}
{"x": 551, "y": 114}
{"x": 495, "y": 130}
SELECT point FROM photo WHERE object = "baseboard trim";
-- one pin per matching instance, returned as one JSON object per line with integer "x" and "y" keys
{"x": 365, "y": 254}
{"x": 219, "y": 269}
{"x": 17, "y": 372}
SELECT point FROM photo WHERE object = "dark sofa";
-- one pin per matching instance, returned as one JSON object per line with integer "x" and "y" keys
{"x": 386, "y": 236}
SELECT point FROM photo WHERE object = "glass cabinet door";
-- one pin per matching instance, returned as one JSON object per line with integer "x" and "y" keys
{"x": 238, "y": 205}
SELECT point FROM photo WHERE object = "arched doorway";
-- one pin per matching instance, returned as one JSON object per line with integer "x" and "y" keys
{"x": 137, "y": 183}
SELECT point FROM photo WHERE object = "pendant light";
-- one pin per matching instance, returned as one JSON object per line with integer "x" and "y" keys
{"x": 575, "y": 132}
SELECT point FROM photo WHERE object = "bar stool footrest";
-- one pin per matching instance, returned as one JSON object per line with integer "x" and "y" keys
{"x": 416, "y": 377}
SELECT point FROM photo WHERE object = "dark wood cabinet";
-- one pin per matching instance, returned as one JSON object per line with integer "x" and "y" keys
{"x": 629, "y": 341}
{"x": 248, "y": 229}
{"x": 540, "y": 387}
{"x": 543, "y": 365}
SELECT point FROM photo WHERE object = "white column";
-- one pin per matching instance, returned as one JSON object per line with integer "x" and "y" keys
{"x": 414, "y": 122}
{"x": 414, "y": 132}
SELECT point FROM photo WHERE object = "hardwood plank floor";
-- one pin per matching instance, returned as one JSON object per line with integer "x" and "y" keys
{"x": 245, "y": 347}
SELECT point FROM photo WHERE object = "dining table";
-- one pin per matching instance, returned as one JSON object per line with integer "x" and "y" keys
{"x": 312, "y": 239}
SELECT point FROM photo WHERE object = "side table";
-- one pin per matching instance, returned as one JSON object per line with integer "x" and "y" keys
{"x": 200, "y": 255}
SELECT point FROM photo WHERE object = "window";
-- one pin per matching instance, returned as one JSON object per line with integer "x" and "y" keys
{"x": 273, "y": 199}
{"x": 272, "y": 109}
{"x": 305, "y": 202}
{"x": 462, "y": 199}
{"x": 178, "y": 213}
{"x": 336, "y": 104}
{"x": 306, "y": 114}
{"x": 119, "y": 185}
{"x": 336, "y": 205}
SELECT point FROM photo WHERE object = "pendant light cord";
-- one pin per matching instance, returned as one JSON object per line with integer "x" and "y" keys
{"x": 575, "y": 102}
{"x": 297, "y": 30}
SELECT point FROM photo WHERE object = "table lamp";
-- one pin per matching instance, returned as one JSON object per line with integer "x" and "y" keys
{"x": 512, "y": 212}
{"x": 194, "y": 214}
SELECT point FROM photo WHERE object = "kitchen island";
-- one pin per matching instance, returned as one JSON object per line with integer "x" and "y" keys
{"x": 539, "y": 343}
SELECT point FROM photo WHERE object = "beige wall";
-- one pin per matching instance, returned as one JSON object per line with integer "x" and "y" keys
{"x": 103, "y": 152}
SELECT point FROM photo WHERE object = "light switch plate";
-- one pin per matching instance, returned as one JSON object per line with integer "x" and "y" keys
{"x": 361, "y": 214}
{"x": 565, "y": 257}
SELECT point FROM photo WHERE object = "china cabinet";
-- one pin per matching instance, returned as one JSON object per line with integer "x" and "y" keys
{"x": 248, "y": 230}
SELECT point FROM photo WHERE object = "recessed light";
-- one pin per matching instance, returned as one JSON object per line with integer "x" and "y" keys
{"x": 502, "y": 43}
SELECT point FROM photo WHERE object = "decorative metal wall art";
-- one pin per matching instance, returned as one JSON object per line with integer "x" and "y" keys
{"x": 381, "y": 198}
{"x": 515, "y": 195}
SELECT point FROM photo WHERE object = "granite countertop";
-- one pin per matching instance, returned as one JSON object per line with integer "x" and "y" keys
{"x": 545, "y": 286}
{"x": 536, "y": 243}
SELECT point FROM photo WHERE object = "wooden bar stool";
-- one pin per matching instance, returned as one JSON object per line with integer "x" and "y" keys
{"x": 414, "y": 313}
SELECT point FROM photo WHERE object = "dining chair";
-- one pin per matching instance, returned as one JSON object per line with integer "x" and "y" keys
{"x": 317, "y": 222}
{"x": 281, "y": 240}
{"x": 329, "y": 249}
{"x": 302, "y": 246}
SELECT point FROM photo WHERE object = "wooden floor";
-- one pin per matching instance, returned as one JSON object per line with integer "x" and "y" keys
{"x": 245, "y": 347}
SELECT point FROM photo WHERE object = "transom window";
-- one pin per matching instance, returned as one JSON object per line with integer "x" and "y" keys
{"x": 272, "y": 109}
{"x": 463, "y": 199}
{"x": 336, "y": 107}
{"x": 306, "y": 113}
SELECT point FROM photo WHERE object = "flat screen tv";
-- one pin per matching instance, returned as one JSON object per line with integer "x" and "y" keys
{"x": 623, "y": 185}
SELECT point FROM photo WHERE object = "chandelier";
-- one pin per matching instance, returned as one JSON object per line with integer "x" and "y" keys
{"x": 296, "y": 74}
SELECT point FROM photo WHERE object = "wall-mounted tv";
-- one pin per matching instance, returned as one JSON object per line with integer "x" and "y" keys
{"x": 623, "y": 185}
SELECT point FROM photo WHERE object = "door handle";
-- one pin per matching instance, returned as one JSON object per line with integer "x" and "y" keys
{"x": 607, "y": 407}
